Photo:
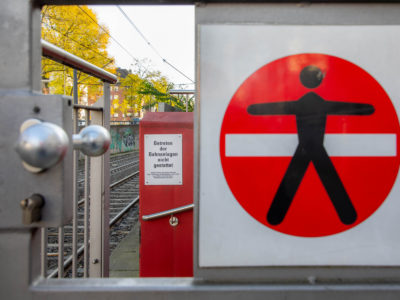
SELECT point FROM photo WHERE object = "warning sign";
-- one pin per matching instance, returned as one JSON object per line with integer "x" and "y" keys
{"x": 163, "y": 159}
{"x": 309, "y": 145}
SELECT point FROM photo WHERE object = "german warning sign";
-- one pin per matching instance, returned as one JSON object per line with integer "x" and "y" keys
{"x": 163, "y": 159}
{"x": 308, "y": 145}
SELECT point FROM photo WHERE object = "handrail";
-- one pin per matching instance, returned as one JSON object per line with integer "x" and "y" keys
{"x": 167, "y": 212}
{"x": 88, "y": 107}
{"x": 181, "y": 92}
{"x": 60, "y": 55}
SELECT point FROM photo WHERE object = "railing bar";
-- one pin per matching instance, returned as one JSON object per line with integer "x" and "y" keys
{"x": 87, "y": 107}
{"x": 75, "y": 185}
{"x": 66, "y": 263}
{"x": 122, "y": 212}
{"x": 182, "y": 92}
{"x": 44, "y": 252}
{"x": 60, "y": 252}
{"x": 60, "y": 55}
{"x": 86, "y": 211}
{"x": 75, "y": 87}
{"x": 168, "y": 212}
{"x": 86, "y": 242}
{"x": 105, "y": 187}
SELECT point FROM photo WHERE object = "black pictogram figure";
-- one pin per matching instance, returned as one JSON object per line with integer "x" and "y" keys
{"x": 311, "y": 112}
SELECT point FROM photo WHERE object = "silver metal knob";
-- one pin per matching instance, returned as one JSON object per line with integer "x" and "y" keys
{"x": 41, "y": 145}
{"x": 93, "y": 140}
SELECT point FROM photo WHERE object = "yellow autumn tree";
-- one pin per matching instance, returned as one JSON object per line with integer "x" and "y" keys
{"x": 144, "y": 90}
{"x": 74, "y": 29}
{"x": 133, "y": 100}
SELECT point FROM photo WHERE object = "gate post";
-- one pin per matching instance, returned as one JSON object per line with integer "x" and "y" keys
{"x": 19, "y": 60}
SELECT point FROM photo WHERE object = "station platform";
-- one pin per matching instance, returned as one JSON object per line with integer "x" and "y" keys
{"x": 124, "y": 260}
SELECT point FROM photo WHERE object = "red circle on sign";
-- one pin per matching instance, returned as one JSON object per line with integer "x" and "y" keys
{"x": 255, "y": 180}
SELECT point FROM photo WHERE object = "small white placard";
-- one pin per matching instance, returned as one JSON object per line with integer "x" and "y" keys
{"x": 163, "y": 159}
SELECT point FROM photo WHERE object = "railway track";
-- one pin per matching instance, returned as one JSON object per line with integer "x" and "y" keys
{"x": 123, "y": 215}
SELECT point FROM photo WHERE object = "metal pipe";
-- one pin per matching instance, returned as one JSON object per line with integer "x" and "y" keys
{"x": 182, "y": 92}
{"x": 75, "y": 193}
{"x": 67, "y": 262}
{"x": 105, "y": 263}
{"x": 75, "y": 86}
{"x": 60, "y": 55}
{"x": 87, "y": 107}
{"x": 44, "y": 252}
{"x": 60, "y": 252}
{"x": 86, "y": 210}
{"x": 167, "y": 212}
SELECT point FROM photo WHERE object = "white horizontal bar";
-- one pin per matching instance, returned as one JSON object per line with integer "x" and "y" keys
{"x": 280, "y": 145}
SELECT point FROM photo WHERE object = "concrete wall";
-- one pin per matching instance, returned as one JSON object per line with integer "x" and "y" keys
{"x": 124, "y": 138}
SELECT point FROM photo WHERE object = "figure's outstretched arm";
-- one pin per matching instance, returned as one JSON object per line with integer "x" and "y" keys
{"x": 348, "y": 108}
{"x": 274, "y": 108}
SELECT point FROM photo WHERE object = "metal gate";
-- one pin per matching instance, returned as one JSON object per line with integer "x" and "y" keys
{"x": 95, "y": 202}
{"x": 20, "y": 245}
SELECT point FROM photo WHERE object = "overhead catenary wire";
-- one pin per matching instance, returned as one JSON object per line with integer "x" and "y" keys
{"x": 151, "y": 46}
{"x": 119, "y": 44}
{"x": 122, "y": 47}
{"x": 114, "y": 39}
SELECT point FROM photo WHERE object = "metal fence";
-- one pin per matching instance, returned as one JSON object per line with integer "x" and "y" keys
{"x": 87, "y": 247}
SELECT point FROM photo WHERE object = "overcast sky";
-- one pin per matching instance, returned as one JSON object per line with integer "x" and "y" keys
{"x": 170, "y": 29}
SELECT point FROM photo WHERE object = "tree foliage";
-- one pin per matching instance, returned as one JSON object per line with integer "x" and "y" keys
{"x": 73, "y": 29}
{"x": 145, "y": 89}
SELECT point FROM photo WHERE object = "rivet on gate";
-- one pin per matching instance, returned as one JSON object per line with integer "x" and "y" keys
{"x": 173, "y": 221}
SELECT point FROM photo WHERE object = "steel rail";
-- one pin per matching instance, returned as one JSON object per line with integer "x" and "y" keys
{"x": 60, "y": 55}
{"x": 81, "y": 249}
{"x": 80, "y": 202}
{"x": 130, "y": 164}
{"x": 123, "y": 179}
{"x": 122, "y": 212}
{"x": 167, "y": 212}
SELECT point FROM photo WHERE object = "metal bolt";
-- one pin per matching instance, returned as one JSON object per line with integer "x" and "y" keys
{"x": 95, "y": 261}
{"x": 173, "y": 221}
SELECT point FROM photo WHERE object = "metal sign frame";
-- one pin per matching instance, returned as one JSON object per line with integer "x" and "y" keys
{"x": 20, "y": 61}
{"x": 283, "y": 14}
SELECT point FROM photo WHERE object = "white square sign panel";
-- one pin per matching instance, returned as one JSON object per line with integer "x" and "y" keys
{"x": 163, "y": 159}
{"x": 299, "y": 137}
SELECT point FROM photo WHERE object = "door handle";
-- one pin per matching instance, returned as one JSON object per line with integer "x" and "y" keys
{"x": 92, "y": 140}
{"x": 42, "y": 145}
